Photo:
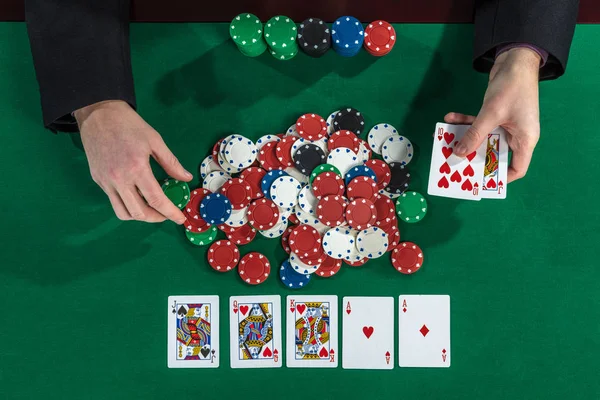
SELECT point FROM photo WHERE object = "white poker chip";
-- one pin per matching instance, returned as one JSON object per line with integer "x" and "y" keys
{"x": 397, "y": 149}
{"x": 301, "y": 267}
{"x": 338, "y": 243}
{"x": 388, "y": 194}
{"x": 277, "y": 229}
{"x": 354, "y": 255}
{"x": 240, "y": 152}
{"x": 330, "y": 128}
{"x": 292, "y": 131}
{"x": 305, "y": 218}
{"x": 209, "y": 165}
{"x": 286, "y": 212}
{"x": 300, "y": 177}
{"x": 379, "y": 134}
{"x": 372, "y": 242}
{"x": 237, "y": 218}
{"x": 322, "y": 144}
{"x": 266, "y": 139}
{"x": 307, "y": 200}
{"x": 344, "y": 159}
{"x": 364, "y": 153}
{"x": 285, "y": 190}
{"x": 215, "y": 180}
{"x": 222, "y": 160}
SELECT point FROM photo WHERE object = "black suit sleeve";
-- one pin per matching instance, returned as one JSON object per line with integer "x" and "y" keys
{"x": 81, "y": 55}
{"x": 547, "y": 24}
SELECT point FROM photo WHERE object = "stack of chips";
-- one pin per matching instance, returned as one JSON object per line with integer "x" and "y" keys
{"x": 246, "y": 30}
{"x": 314, "y": 37}
{"x": 280, "y": 34}
{"x": 348, "y": 36}
{"x": 380, "y": 38}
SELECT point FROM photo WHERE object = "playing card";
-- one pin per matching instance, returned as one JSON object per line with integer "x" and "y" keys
{"x": 255, "y": 331}
{"x": 368, "y": 333}
{"x": 495, "y": 171}
{"x": 312, "y": 331}
{"x": 424, "y": 326}
{"x": 193, "y": 337}
{"x": 452, "y": 176}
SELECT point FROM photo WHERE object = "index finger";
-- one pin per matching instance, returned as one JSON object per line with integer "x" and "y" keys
{"x": 156, "y": 199}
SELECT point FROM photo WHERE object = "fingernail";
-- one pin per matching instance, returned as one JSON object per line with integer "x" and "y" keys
{"x": 460, "y": 149}
{"x": 188, "y": 175}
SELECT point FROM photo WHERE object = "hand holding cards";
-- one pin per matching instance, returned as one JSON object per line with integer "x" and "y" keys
{"x": 481, "y": 174}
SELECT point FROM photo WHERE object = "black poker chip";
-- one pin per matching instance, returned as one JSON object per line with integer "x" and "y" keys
{"x": 314, "y": 37}
{"x": 308, "y": 157}
{"x": 400, "y": 178}
{"x": 349, "y": 119}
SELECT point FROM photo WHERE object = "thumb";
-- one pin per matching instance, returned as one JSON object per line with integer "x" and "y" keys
{"x": 476, "y": 134}
{"x": 169, "y": 162}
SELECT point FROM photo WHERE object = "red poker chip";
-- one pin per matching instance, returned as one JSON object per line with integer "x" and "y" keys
{"x": 315, "y": 258}
{"x": 358, "y": 263}
{"x": 254, "y": 268}
{"x": 329, "y": 267}
{"x": 361, "y": 214}
{"x": 367, "y": 146}
{"x": 382, "y": 172}
{"x": 263, "y": 214}
{"x": 193, "y": 220}
{"x": 393, "y": 237}
{"x": 238, "y": 191}
{"x": 253, "y": 176}
{"x": 362, "y": 187}
{"x": 327, "y": 183}
{"x": 268, "y": 158}
{"x": 311, "y": 127}
{"x": 380, "y": 37}
{"x": 285, "y": 242}
{"x": 304, "y": 240}
{"x": 387, "y": 223}
{"x": 293, "y": 218}
{"x": 223, "y": 255}
{"x": 331, "y": 210}
{"x": 240, "y": 235}
{"x": 407, "y": 258}
{"x": 386, "y": 209}
{"x": 215, "y": 150}
{"x": 343, "y": 138}
{"x": 283, "y": 150}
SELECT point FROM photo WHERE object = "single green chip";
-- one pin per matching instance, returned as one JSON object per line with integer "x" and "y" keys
{"x": 204, "y": 238}
{"x": 177, "y": 191}
{"x": 411, "y": 207}
{"x": 280, "y": 34}
{"x": 319, "y": 169}
{"x": 246, "y": 30}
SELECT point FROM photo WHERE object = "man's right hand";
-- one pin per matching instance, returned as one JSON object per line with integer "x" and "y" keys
{"x": 118, "y": 144}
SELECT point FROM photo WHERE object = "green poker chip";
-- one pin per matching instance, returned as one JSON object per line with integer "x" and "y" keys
{"x": 280, "y": 34}
{"x": 411, "y": 207}
{"x": 177, "y": 191}
{"x": 319, "y": 169}
{"x": 204, "y": 238}
{"x": 246, "y": 31}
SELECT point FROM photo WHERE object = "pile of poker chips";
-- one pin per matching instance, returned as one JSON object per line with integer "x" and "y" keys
{"x": 246, "y": 31}
{"x": 280, "y": 35}
{"x": 314, "y": 37}
{"x": 380, "y": 38}
{"x": 316, "y": 187}
{"x": 347, "y": 36}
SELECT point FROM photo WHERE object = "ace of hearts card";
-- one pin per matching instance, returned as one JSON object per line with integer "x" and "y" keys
{"x": 193, "y": 336}
{"x": 255, "y": 331}
{"x": 424, "y": 331}
{"x": 368, "y": 333}
{"x": 312, "y": 331}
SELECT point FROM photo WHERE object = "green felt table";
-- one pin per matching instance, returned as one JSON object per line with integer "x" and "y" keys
{"x": 84, "y": 295}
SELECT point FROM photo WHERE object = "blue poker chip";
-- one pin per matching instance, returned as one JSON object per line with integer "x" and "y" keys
{"x": 215, "y": 208}
{"x": 268, "y": 179}
{"x": 291, "y": 278}
{"x": 347, "y": 36}
{"x": 362, "y": 170}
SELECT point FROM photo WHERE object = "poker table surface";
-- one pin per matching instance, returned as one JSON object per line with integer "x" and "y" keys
{"x": 84, "y": 295}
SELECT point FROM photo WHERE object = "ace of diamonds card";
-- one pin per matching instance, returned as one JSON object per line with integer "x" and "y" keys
{"x": 424, "y": 330}
{"x": 368, "y": 333}
{"x": 255, "y": 331}
{"x": 193, "y": 336}
{"x": 312, "y": 331}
